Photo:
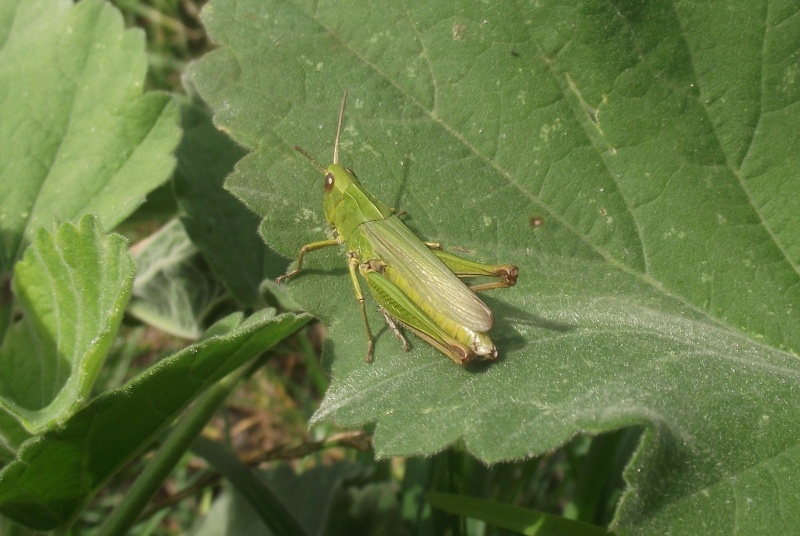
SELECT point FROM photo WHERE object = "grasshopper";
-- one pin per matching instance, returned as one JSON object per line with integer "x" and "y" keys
{"x": 415, "y": 283}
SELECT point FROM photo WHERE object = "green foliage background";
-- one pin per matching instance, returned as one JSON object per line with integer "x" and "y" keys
{"x": 653, "y": 143}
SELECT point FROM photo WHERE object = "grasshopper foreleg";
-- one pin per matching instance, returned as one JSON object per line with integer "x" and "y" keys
{"x": 313, "y": 246}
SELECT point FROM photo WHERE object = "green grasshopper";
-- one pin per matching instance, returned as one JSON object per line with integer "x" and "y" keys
{"x": 414, "y": 283}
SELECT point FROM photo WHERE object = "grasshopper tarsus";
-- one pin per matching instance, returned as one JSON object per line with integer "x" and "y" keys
{"x": 508, "y": 274}
{"x": 286, "y": 276}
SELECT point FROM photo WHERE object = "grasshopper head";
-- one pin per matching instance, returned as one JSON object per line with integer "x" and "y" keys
{"x": 347, "y": 205}
{"x": 338, "y": 180}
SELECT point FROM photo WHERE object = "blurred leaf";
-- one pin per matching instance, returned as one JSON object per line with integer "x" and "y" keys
{"x": 519, "y": 520}
{"x": 78, "y": 136}
{"x": 222, "y": 228}
{"x": 659, "y": 285}
{"x": 266, "y": 503}
{"x": 72, "y": 287}
{"x": 371, "y": 509}
{"x": 173, "y": 290}
{"x": 325, "y": 499}
{"x": 55, "y": 474}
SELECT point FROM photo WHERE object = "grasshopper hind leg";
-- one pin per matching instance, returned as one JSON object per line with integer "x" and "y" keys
{"x": 506, "y": 274}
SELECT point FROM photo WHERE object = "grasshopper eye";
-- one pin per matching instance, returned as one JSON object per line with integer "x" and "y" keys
{"x": 328, "y": 182}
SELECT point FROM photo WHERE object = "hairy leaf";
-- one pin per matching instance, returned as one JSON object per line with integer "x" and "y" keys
{"x": 636, "y": 160}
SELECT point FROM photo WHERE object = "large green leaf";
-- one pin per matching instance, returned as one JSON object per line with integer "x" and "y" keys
{"x": 77, "y": 135}
{"x": 653, "y": 146}
{"x": 56, "y": 473}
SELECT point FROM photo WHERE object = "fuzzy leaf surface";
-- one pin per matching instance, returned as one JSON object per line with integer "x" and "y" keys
{"x": 635, "y": 160}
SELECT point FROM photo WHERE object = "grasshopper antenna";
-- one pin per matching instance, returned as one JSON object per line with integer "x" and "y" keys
{"x": 339, "y": 129}
{"x": 304, "y": 153}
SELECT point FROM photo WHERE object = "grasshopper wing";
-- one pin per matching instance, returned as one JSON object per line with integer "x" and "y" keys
{"x": 431, "y": 280}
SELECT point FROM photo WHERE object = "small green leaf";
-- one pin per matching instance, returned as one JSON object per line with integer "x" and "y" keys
{"x": 174, "y": 289}
{"x": 77, "y": 135}
{"x": 72, "y": 287}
